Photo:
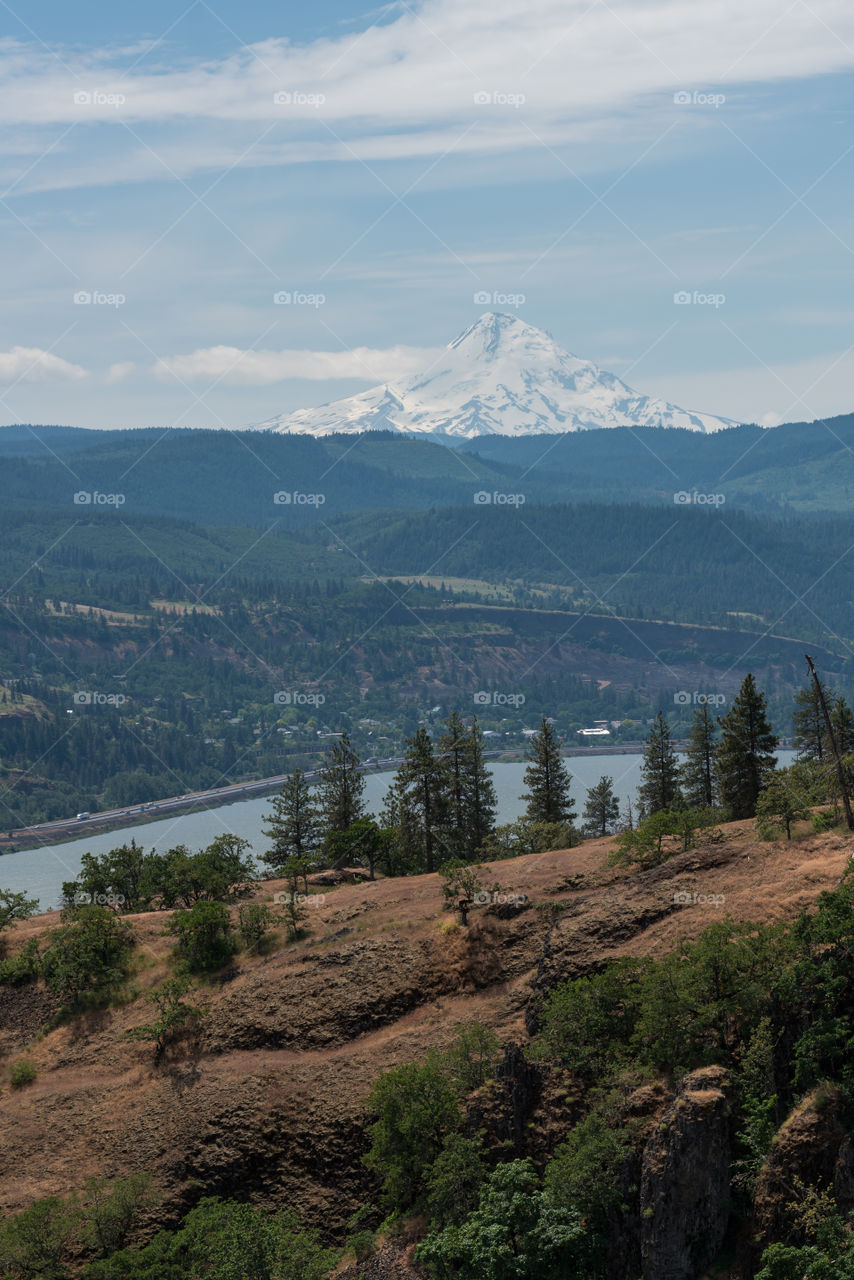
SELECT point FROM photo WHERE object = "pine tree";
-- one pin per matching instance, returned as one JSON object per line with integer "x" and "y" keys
{"x": 843, "y": 726}
{"x": 341, "y": 788}
{"x": 697, "y": 775}
{"x": 659, "y": 790}
{"x": 470, "y": 801}
{"x": 420, "y": 797}
{"x": 744, "y": 759}
{"x": 602, "y": 809}
{"x": 547, "y": 779}
{"x": 808, "y": 721}
{"x": 452, "y": 763}
{"x": 294, "y": 828}
{"x": 481, "y": 802}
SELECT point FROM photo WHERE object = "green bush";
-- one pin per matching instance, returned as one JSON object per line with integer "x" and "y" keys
{"x": 174, "y": 1015}
{"x": 254, "y": 922}
{"x": 34, "y": 1244}
{"x": 21, "y": 1073}
{"x": 15, "y": 906}
{"x": 22, "y": 967}
{"x": 644, "y": 844}
{"x": 416, "y": 1108}
{"x": 128, "y": 879}
{"x": 515, "y": 1233}
{"x": 205, "y": 939}
{"x": 87, "y": 955}
{"x": 473, "y": 1057}
{"x": 584, "y": 1171}
{"x": 454, "y": 1180}
{"x": 225, "y": 1240}
{"x": 362, "y": 1245}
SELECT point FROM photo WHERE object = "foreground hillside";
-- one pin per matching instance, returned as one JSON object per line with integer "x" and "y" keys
{"x": 268, "y": 1100}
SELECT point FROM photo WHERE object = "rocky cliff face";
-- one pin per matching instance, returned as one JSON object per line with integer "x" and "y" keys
{"x": 684, "y": 1197}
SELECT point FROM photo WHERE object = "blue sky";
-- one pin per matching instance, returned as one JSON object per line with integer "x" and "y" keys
{"x": 593, "y": 159}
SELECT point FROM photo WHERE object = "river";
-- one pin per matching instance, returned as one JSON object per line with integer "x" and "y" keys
{"x": 41, "y": 872}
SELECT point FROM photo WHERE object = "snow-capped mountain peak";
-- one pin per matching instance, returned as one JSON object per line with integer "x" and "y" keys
{"x": 501, "y": 376}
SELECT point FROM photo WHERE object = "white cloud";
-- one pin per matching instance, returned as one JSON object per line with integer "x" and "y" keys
{"x": 409, "y": 86}
{"x": 34, "y": 364}
{"x": 238, "y": 367}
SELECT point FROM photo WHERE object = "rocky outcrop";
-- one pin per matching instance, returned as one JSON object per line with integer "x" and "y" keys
{"x": 597, "y": 920}
{"x": 392, "y": 1261}
{"x": 684, "y": 1199}
{"x": 812, "y": 1149}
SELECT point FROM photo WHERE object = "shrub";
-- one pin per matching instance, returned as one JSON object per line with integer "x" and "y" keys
{"x": 645, "y": 843}
{"x": 781, "y": 802}
{"x": 362, "y": 1245}
{"x": 515, "y": 1233}
{"x": 473, "y": 1056}
{"x": 205, "y": 937}
{"x": 87, "y": 955}
{"x": 523, "y": 837}
{"x": 15, "y": 906}
{"x": 255, "y": 921}
{"x": 455, "y": 1179}
{"x": 416, "y": 1107}
{"x": 173, "y": 1016}
{"x": 21, "y": 1073}
{"x": 461, "y": 886}
{"x": 34, "y": 1243}
{"x": 22, "y": 967}
{"x": 584, "y": 1171}
{"x": 110, "y": 1210}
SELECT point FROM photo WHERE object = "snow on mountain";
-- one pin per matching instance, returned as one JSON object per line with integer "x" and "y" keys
{"x": 499, "y": 377}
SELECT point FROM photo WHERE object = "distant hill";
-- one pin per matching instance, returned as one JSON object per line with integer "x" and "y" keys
{"x": 223, "y": 477}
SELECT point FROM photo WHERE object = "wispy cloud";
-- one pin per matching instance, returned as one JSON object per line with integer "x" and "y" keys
{"x": 238, "y": 367}
{"x": 406, "y": 87}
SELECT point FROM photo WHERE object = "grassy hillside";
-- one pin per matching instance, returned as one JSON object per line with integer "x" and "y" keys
{"x": 268, "y": 1098}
